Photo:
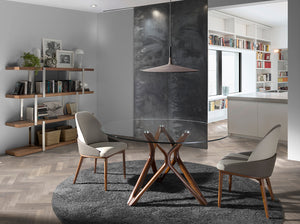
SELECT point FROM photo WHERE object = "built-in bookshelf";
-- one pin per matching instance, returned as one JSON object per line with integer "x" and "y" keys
{"x": 22, "y": 122}
{"x": 281, "y": 65}
{"x": 264, "y": 78}
{"x": 231, "y": 31}
{"x": 217, "y": 108}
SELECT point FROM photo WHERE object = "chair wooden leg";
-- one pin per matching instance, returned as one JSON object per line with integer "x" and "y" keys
{"x": 263, "y": 194}
{"x": 124, "y": 165}
{"x": 95, "y": 165}
{"x": 220, "y": 187}
{"x": 78, "y": 168}
{"x": 105, "y": 174}
{"x": 230, "y": 182}
{"x": 270, "y": 188}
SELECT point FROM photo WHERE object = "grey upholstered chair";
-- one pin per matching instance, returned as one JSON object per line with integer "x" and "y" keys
{"x": 94, "y": 143}
{"x": 257, "y": 164}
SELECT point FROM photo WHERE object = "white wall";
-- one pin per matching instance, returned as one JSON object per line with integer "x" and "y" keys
{"x": 279, "y": 37}
{"x": 22, "y": 28}
{"x": 115, "y": 66}
{"x": 248, "y": 71}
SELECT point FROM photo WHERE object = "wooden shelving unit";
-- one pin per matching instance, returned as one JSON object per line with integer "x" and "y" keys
{"x": 29, "y": 149}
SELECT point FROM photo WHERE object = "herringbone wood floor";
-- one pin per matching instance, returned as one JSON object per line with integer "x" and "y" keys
{"x": 27, "y": 183}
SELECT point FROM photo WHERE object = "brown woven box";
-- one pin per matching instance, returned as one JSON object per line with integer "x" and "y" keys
{"x": 51, "y": 137}
{"x": 67, "y": 133}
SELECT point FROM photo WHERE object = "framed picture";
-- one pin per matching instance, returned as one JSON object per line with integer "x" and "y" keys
{"x": 50, "y": 47}
{"x": 65, "y": 59}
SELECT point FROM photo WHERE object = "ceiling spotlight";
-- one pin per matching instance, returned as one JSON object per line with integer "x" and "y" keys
{"x": 93, "y": 5}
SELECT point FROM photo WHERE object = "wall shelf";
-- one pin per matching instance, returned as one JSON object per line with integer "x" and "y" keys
{"x": 24, "y": 123}
{"x": 29, "y": 96}
{"x": 27, "y": 150}
{"x": 17, "y": 68}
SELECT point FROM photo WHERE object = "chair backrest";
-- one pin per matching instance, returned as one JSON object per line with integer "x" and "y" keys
{"x": 89, "y": 128}
{"x": 267, "y": 147}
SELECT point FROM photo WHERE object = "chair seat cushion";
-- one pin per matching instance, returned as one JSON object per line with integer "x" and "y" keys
{"x": 227, "y": 162}
{"x": 109, "y": 148}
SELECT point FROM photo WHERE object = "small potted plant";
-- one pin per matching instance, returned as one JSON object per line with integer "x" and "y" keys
{"x": 30, "y": 60}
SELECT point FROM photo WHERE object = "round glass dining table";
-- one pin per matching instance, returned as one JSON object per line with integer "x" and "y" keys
{"x": 166, "y": 135}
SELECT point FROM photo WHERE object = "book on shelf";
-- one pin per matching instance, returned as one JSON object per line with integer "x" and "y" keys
{"x": 25, "y": 87}
{"x": 22, "y": 87}
{"x": 71, "y": 108}
{"x": 267, "y": 64}
{"x": 283, "y": 74}
{"x": 42, "y": 112}
{"x": 259, "y": 64}
{"x": 211, "y": 106}
{"x": 244, "y": 44}
{"x": 267, "y": 56}
{"x": 50, "y": 86}
{"x": 38, "y": 87}
{"x": 217, "y": 104}
{"x": 262, "y": 47}
{"x": 59, "y": 86}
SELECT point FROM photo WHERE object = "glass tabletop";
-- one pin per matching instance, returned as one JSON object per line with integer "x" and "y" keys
{"x": 134, "y": 130}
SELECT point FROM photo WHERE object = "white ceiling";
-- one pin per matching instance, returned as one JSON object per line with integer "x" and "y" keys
{"x": 272, "y": 14}
{"x": 85, "y": 5}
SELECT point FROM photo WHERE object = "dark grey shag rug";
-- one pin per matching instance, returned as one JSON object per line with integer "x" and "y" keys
{"x": 166, "y": 202}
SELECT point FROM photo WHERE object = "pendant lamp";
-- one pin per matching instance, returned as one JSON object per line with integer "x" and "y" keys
{"x": 169, "y": 67}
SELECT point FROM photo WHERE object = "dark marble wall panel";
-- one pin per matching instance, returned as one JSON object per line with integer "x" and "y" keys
{"x": 175, "y": 95}
{"x": 150, "y": 49}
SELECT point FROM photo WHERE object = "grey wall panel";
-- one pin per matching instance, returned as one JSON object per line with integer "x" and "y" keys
{"x": 173, "y": 95}
{"x": 294, "y": 81}
{"x": 115, "y": 66}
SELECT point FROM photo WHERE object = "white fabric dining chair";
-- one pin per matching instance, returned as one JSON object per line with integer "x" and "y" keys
{"x": 94, "y": 143}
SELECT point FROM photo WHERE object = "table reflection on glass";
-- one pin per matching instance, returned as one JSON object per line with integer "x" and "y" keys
{"x": 158, "y": 133}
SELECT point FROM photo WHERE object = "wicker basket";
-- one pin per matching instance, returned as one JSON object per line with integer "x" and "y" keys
{"x": 67, "y": 133}
{"x": 51, "y": 137}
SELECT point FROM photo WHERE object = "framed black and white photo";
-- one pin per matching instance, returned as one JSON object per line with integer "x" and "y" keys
{"x": 50, "y": 47}
{"x": 65, "y": 59}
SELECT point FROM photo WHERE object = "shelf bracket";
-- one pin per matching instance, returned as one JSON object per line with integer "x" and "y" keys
{"x": 82, "y": 81}
{"x": 22, "y": 109}
{"x": 35, "y": 109}
{"x": 77, "y": 101}
{"x": 44, "y": 82}
{"x": 29, "y": 136}
{"x": 43, "y": 136}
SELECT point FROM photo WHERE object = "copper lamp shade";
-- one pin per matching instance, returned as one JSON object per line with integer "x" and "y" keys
{"x": 168, "y": 68}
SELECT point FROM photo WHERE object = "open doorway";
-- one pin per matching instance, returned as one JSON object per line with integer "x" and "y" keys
{"x": 258, "y": 33}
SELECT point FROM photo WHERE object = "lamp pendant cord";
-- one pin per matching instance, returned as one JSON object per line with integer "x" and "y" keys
{"x": 170, "y": 31}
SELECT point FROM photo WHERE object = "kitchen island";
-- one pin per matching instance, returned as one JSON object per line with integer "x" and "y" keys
{"x": 254, "y": 114}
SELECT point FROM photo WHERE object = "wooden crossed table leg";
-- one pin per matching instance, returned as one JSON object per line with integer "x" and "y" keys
{"x": 188, "y": 181}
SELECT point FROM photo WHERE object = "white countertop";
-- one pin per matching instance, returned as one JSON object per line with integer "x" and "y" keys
{"x": 270, "y": 97}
